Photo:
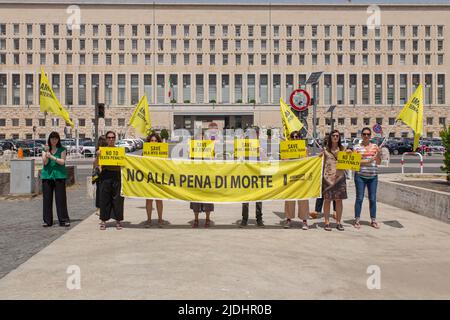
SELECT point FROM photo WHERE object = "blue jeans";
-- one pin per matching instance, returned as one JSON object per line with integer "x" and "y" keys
{"x": 360, "y": 184}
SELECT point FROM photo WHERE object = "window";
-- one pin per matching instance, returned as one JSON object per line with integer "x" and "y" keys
{"x": 442, "y": 121}
{"x": 147, "y": 89}
{"x": 366, "y": 89}
{"x": 366, "y": 121}
{"x": 238, "y": 59}
{"x": 391, "y": 89}
{"x": 212, "y": 88}
{"x": 327, "y": 31}
{"x": 212, "y": 31}
{"x": 251, "y": 85}
{"x": 173, "y": 30}
{"x": 121, "y": 122}
{"x": 237, "y": 30}
{"x": 69, "y": 89}
{"x": 328, "y": 85}
{"x": 160, "y": 30}
{"x": 108, "y": 88}
{"x": 173, "y": 59}
{"x": 15, "y": 89}
{"x": 427, "y": 31}
{"x": 238, "y": 44}
{"x": 263, "y": 31}
{"x": 212, "y": 45}
{"x": 276, "y": 31}
{"x": 2, "y": 122}
{"x": 160, "y": 59}
{"x": 403, "y": 88}
{"x": 391, "y": 121}
{"x": 199, "y": 88}
{"x": 134, "y": 89}
{"x": 225, "y": 59}
{"x": 199, "y": 30}
{"x": 314, "y": 31}
{"x": 301, "y": 31}
{"x": 429, "y": 121}
{"x": 441, "y": 89}
{"x": 354, "y": 121}
{"x": 186, "y": 59}
{"x": 15, "y": 122}
{"x": 29, "y": 89}
{"x": 121, "y": 89}
{"x": 212, "y": 59}
{"x": 3, "y": 89}
{"x": 276, "y": 59}
{"x": 186, "y": 30}
{"x": 378, "y": 89}
{"x": 440, "y": 31}
{"x": 199, "y": 45}
{"x": 264, "y": 59}
{"x": 199, "y": 59}
{"x": 173, "y": 45}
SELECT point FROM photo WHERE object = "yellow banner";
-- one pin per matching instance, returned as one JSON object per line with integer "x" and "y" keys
{"x": 111, "y": 156}
{"x": 349, "y": 161}
{"x": 221, "y": 181}
{"x": 293, "y": 149}
{"x": 48, "y": 101}
{"x": 246, "y": 148}
{"x": 201, "y": 149}
{"x": 156, "y": 149}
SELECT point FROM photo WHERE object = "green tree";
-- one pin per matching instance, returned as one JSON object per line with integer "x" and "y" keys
{"x": 445, "y": 135}
{"x": 164, "y": 134}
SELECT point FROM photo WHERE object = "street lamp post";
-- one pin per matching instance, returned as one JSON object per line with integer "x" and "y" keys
{"x": 314, "y": 80}
{"x": 330, "y": 110}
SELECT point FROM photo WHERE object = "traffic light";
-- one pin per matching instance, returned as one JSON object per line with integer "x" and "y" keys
{"x": 100, "y": 110}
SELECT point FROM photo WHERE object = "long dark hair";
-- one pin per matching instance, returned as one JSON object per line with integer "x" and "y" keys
{"x": 154, "y": 135}
{"x": 328, "y": 146}
{"x": 101, "y": 142}
{"x": 54, "y": 134}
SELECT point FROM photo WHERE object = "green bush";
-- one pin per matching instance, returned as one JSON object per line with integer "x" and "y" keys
{"x": 239, "y": 101}
{"x": 445, "y": 135}
{"x": 187, "y": 101}
{"x": 252, "y": 101}
{"x": 212, "y": 101}
{"x": 173, "y": 101}
{"x": 164, "y": 134}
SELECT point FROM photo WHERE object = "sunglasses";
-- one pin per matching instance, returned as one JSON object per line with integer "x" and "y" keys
{"x": 335, "y": 136}
{"x": 295, "y": 137}
{"x": 110, "y": 137}
{"x": 367, "y": 134}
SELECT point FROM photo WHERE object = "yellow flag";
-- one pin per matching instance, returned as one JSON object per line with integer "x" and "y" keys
{"x": 140, "y": 120}
{"x": 412, "y": 114}
{"x": 290, "y": 121}
{"x": 48, "y": 101}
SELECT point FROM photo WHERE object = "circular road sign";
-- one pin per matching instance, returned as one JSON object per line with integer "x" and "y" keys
{"x": 300, "y": 100}
{"x": 377, "y": 128}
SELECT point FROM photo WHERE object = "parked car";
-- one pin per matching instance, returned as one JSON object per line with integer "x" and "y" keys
{"x": 131, "y": 143}
{"x": 88, "y": 149}
{"x": 27, "y": 147}
{"x": 124, "y": 144}
{"x": 397, "y": 148}
{"x": 139, "y": 143}
{"x": 8, "y": 145}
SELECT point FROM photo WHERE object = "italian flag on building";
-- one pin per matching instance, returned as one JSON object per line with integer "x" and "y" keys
{"x": 170, "y": 87}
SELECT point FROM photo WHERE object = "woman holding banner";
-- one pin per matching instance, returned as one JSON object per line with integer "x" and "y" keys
{"x": 154, "y": 138}
{"x": 334, "y": 186}
{"x": 367, "y": 176}
{"x": 303, "y": 205}
{"x": 111, "y": 202}
{"x": 53, "y": 176}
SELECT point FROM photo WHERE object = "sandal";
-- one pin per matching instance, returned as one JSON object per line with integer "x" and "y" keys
{"x": 374, "y": 224}
{"x": 340, "y": 227}
{"x": 119, "y": 226}
{"x": 207, "y": 223}
{"x": 160, "y": 224}
{"x": 102, "y": 225}
{"x": 356, "y": 224}
{"x": 327, "y": 227}
{"x": 195, "y": 224}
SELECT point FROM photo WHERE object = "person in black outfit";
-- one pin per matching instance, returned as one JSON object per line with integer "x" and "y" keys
{"x": 111, "y": 202}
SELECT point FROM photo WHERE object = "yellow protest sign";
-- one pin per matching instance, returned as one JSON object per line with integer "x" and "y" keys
{"x": 221, "y": 181}
{"x": 111, "y": 156}
{"x": 349, "y": 161}
{"x": 246, "y": 148}
{"x": 201, "y": 149}
{"x": 156, "y": 149}
{"x": 293, "y": 149}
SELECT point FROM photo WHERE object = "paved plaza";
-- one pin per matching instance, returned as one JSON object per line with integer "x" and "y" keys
{"x": 226, "y": 262}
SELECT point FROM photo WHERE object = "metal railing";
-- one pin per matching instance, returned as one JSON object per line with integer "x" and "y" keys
{"x": 412, "y": 154}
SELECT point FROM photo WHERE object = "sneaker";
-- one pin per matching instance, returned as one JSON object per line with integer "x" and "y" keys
{"x": 305, "y": 225}
{"x": 243, "y": 224}
{"x": 260, "y": 224}
{"x": 64, "y": 224}
{"x": 287, "y": 224}
{"x": 46, "y": 225}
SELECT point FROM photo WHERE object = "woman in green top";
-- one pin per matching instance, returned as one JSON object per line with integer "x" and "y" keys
{"x": 53, "y": 176}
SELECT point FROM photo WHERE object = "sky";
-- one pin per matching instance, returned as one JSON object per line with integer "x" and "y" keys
{"x": 250, "y": 1}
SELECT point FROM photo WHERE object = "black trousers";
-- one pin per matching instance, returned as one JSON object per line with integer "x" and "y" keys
{"x": 58, "y": 187}
{"x": 319, "y": 205}
{"x": 258, "y": 211}
{"x": 97, "y": 194}
{"x": 111, "y": 203}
